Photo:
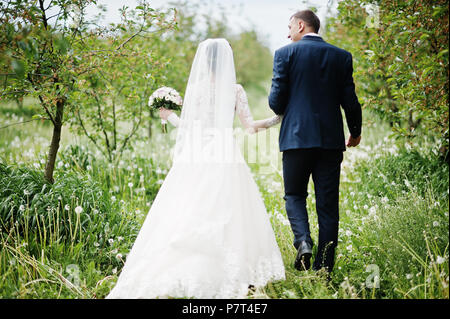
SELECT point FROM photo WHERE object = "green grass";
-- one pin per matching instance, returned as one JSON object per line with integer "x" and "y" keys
{"x": 393, "y": 214}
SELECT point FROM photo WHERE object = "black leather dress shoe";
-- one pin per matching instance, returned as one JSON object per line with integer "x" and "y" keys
{"x": 303, "y": 259}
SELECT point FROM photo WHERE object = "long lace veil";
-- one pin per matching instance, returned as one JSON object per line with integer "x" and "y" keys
{"x": 205, "y": 130}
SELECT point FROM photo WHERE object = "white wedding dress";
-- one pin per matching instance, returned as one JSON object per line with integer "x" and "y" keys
{"x": 207, "y": 234}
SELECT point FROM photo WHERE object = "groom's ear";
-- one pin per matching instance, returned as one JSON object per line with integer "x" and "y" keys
{"x": 301, "y": 25}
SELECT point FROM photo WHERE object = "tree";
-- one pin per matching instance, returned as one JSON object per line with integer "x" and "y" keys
{"x": 114, "y": 98}
{"x": 44, "y": 55}
{"x": 401, "y": 61}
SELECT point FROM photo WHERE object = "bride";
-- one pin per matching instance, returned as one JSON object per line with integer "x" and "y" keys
{"x": 207, "y": 234}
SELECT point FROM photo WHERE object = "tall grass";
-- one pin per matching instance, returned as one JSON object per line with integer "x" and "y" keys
{"x": 70, "y": 239}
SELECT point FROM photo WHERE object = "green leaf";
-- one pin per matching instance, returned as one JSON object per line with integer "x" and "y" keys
{"x": 424, "y": 36}
{"x": 61, "y": 44}
{"x": 442, "y": 53}
{"x": 426, "y": 71}
{"x": 18, "y": 68}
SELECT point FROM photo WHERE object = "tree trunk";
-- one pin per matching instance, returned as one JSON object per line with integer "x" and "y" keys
{"x": 54, "y": 146}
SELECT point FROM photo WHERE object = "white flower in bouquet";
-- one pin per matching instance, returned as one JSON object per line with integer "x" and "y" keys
{"x": 166, "y": 93}
{"x": 166, "y": 97}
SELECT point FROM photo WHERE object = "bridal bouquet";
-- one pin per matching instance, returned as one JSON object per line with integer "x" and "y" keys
{"x": 165, "y": 97}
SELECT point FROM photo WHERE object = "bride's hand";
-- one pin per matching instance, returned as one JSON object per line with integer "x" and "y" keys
{"x": 164, "y": 113}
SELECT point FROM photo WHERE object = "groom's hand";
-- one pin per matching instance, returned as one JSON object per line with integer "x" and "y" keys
{"x": 352, "y": 142}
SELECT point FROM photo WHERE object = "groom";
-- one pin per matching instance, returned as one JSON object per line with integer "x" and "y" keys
{"x": 311, "y": 81}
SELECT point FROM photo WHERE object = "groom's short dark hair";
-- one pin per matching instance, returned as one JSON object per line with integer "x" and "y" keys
{"x": 309, "y": 17}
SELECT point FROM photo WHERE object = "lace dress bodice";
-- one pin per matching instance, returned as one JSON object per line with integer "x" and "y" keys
{"x": 245, "y": 116}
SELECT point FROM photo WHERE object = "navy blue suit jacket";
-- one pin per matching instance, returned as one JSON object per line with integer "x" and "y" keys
{"x": 311, "y": 80}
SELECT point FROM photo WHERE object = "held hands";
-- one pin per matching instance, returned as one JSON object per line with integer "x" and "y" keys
{"x": 352, "y": 142}
{"x": 164, "y": 113}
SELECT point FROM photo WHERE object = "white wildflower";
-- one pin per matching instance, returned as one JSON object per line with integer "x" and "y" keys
{"x": 407, "y": 183}
{"x": 78, "y": 210}
{"x": 440, "y": 260}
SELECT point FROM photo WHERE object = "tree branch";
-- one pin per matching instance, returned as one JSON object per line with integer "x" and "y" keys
{"x": 42, "y": 118}
{"x": 87, "y": 134}
{"x": 133, "y": 131}
{"x": 44, "y": 19}
{"x": 102, "y": 125}
{"x": 130, "y": 38}
{"x": 46, "y": 110}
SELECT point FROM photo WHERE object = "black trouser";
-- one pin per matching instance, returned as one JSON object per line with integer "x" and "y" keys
{"x": 324, "y": 166}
